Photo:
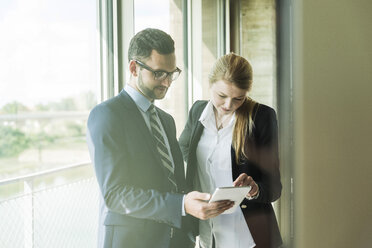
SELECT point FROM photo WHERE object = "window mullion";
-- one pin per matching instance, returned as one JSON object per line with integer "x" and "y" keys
{"x": 125, "y": 31}
{"x": 105, "y": 28}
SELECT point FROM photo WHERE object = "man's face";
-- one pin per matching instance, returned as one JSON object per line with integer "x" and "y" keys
{"x": 146, "y": 84}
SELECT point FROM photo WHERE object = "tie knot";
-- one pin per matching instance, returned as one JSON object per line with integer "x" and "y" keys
{"x": 152, "y": 109}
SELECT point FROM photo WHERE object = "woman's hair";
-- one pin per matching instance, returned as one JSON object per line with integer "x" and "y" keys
{"x": 235, "y": 69}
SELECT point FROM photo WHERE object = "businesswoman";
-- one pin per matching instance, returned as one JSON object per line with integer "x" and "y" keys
{"x": 233, "y": 140}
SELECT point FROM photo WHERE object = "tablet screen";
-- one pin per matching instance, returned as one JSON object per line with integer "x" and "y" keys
{"x": 235, "y": 194}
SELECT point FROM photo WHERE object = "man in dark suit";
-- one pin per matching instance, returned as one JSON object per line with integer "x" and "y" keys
{"x": 137, "y": 159}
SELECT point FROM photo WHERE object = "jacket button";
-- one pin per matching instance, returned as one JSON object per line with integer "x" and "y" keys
{"x": 244, "y": 206}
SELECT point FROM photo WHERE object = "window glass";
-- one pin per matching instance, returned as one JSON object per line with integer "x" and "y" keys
{"x": 209, "y": 43}
{"x": 167, "y": 15}
{"x": 204, "y": 45}
{"x": 48, "y": 83}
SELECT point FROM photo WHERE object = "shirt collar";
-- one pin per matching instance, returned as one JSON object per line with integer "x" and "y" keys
{"x": 141, "y": 101}
{"x": 207, "y": 114}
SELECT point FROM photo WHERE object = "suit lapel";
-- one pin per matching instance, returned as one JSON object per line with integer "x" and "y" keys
{"x": 198, "y": 128}
{"x": 192, "y": 163}
{"x": 196, "y": 134}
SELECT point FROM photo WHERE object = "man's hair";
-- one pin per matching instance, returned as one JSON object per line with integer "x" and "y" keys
{"x": 142, "y": 44}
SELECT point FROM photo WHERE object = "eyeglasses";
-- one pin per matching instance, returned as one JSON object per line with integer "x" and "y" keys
{"x": 160, "y": 74}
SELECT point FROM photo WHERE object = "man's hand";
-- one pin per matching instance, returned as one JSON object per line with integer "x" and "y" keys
{"x": 245, "y": 180}
{"x": 196, "y": 205}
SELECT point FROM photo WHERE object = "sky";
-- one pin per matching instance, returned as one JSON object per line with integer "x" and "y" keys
{"x": 49, "y": 48}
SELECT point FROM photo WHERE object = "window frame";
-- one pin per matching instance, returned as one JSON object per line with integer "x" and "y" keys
{"x": 115, "y": 72}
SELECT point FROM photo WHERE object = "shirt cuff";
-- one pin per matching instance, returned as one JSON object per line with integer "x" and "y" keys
{"x": 183, "y": 206}
{"x": 253, "y": 197}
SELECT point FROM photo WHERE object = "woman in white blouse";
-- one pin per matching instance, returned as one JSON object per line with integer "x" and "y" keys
{"x": 232, "y": 140}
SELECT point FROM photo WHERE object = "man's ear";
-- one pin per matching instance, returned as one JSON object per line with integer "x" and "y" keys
{"x": 133, "y": 68}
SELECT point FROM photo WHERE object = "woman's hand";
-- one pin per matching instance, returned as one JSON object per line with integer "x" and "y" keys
{"x": 245, "y": 180}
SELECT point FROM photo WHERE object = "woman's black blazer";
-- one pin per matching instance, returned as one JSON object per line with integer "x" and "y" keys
{"x": 262, "y": 165}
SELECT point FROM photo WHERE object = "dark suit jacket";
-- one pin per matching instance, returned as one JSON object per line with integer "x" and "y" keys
{"x": 262, "y": 166}
{"x": 141, "y": 210}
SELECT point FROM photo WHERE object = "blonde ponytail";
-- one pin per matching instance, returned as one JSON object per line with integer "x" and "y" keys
{"x": 243, "y": 128}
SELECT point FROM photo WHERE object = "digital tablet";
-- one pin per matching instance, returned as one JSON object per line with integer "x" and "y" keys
{"x": 235, "y": 194}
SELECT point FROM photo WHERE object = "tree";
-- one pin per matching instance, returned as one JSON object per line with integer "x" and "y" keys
{"x": 12, "y": 142}
{"x": 13, "y": 108}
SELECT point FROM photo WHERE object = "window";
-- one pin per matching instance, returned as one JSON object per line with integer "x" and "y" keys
{"x": 167, "y": 15}
{"x": 48, "y": 83}
{"x": 49, "y": 78}
{"x": 53, "y": 70}
{"x": 206, "y": 44}
{"x": 199, "y": 41}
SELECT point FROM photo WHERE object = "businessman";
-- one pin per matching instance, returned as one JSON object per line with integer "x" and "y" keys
{"x": 137, "y": 159}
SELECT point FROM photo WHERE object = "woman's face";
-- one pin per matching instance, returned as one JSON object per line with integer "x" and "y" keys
{"x": 226, "y": 97}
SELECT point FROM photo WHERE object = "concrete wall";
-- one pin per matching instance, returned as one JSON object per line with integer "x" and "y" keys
{"x": 258, "y": 45}
{"x": 333, "y": 123}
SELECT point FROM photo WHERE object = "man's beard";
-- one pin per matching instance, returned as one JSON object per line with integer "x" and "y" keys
{"x": 147, "y": 91}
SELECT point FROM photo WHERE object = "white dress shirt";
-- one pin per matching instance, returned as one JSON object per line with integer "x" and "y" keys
{"x": 214, "y": 168}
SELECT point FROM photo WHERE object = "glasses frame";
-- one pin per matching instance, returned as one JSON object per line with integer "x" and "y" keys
{"x": 154, "y": 72}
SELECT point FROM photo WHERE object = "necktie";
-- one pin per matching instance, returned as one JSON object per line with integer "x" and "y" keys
{"x": 160, "y": 145}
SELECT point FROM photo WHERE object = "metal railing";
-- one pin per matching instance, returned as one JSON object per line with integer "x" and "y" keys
{"x": 64, "y": 215}
{"x": 45, "y": 115}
